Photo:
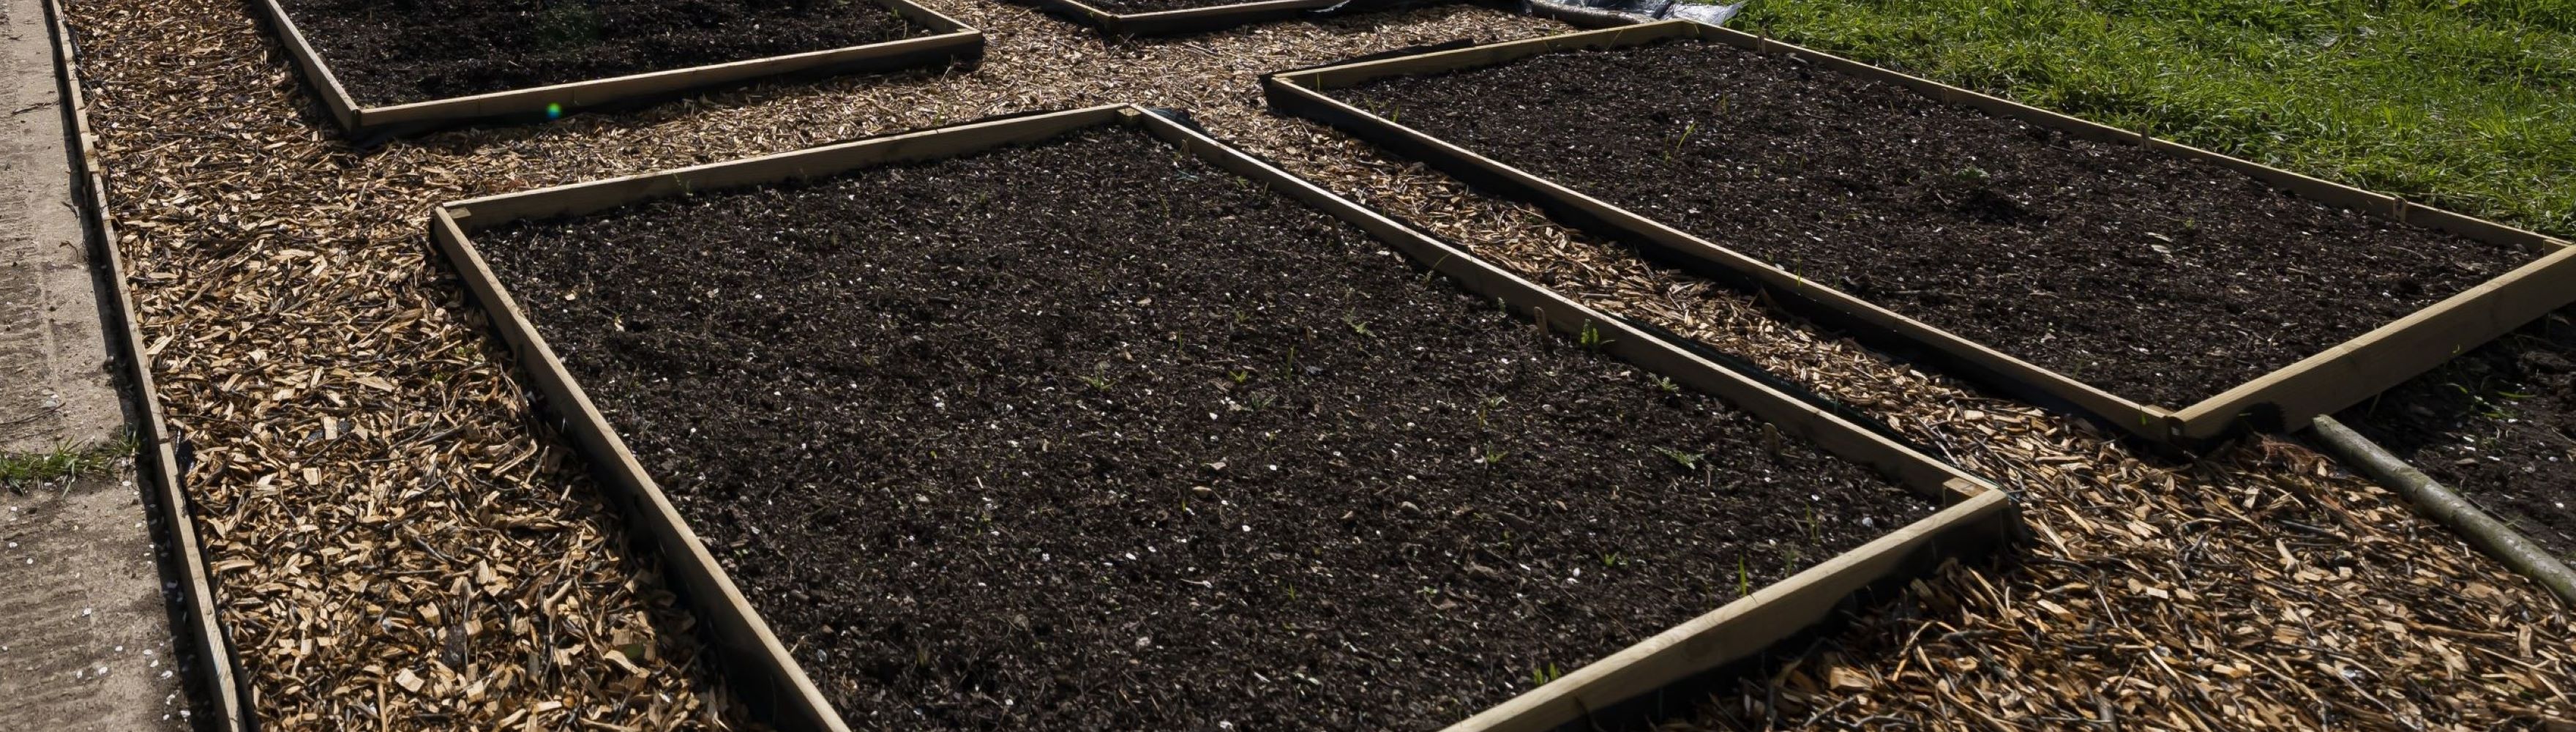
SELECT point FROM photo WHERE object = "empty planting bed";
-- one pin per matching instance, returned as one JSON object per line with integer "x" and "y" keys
{"x": 379, "y": 64}
{"x": 2162, "y": 288}
{"x": 1117, "y": 429}
{"x": 2497, "y": 425}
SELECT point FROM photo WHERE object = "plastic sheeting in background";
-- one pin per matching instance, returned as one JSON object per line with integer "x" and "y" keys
{"x": 1645, "y": 10}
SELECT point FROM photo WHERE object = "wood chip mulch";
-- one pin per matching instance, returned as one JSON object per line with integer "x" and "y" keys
{"x": 399, "y": 545}
{"x": 2259, "y": 586}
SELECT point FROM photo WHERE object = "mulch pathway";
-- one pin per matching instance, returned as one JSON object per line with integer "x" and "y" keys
{"x": 368, "y": 474}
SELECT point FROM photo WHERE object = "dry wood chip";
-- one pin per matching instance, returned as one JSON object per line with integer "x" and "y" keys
{"x": 353, "y": 428}
{"x": 376, "y": 495}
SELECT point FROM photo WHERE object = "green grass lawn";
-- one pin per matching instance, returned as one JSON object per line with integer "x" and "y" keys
{"x": 2466, "y": 105}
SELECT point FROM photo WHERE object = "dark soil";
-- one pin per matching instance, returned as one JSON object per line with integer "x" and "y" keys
{"x": 400, "y": 51}
{"x": 1092, "y": 436}
{"x": 2152, "y": 277}
{"x": 2498, "y": 425}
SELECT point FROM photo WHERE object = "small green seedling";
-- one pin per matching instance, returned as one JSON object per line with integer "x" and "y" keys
{"x": 1593, "y": 338}
{"x": 1688, "y": 460}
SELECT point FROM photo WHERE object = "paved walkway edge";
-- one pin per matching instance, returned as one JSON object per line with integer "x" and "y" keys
{"x": 218, "y": 694}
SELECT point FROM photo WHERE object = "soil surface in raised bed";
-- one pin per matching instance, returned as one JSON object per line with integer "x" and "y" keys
{"x": 1092, "y": 435}
{"x": 418, "y": 50}
{"x": 2498, "y": 425}
{"x": 2153, "y": 277}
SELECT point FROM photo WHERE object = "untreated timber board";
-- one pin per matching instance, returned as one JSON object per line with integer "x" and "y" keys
{"x": 1978, "y": 515}
{"x": 949, "y": 41}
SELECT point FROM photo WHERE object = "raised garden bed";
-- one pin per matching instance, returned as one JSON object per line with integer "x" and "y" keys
{"x": 2071, "y": 263}
{"x": 384, "y": 68}
{"x": 1086, "y": 421}
{"x": 1164, "y": 17}
{"x": 2496, "y": 425}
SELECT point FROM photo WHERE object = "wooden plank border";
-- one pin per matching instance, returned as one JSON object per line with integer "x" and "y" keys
{"x": 2288, "y": 396}
{"x": 222, "y": 702}
{"x": 1978, "y": 517}
{"x": 950, "y": 41}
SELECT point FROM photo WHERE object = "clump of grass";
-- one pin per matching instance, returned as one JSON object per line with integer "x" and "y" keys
{"x": 2466, "y": 106}
{"x": 66, "y": 461}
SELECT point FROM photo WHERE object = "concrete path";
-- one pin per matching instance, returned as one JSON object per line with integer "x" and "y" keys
{"x": 84, "y": 632}
{"x": 54, "y": 378}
